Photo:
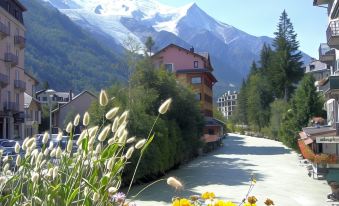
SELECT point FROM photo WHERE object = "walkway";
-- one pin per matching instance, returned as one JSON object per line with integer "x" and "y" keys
{"x": 227, "y": 171}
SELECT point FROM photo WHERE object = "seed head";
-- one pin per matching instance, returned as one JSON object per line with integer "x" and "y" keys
{"x": 69, "y": 127}
{"x": 103, "y": 134}
{"x": 76, "y": 120}
{"x": 140, "y": 144}
{"x": 6, "y": 158}
{"x": 130, "y": 140}
{"x": 173, "y": 182}
{"x": 129, "y": 153}
{"x": 18, "y": 161}
{"x": 45, "y": 138}
{"x": 69, "y": 146}
{"x": 96, "y": 196}
{"x": 165, "y": 106}
{"x": 123, "y": 117}
{"x": 58, "y": 153}
{"x": 55, "y": 172}
{"x": 112, "y": 190}
{"x": 6, "y": 167}
{"x": 98, "y": 149}
{"x": 17, "y": 148}
{"x": 110, "y": 163}
{"x": 111, "y": 113}
{"x": 103, "y": 99}
{"x": 35, "y": 177}
{"x": 59, "y": 137}
{"x": 93, "y": 131}
{"x": 85, "y": 120}
{"x": 115, "y": 124}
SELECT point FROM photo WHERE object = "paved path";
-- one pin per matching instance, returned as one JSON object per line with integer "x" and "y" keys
{"x": 227, "y": 170}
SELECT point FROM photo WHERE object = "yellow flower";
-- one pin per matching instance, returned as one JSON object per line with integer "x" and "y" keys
{"x": 208, "y": 195}
{"x": 223, "y": 203}
{"x": 181, "y": 202}
{"x": 252, "y": 200}
{"x": 249, "y": 204}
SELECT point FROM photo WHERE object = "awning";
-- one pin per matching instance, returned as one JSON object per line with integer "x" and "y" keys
{"x": 308, "y": 141}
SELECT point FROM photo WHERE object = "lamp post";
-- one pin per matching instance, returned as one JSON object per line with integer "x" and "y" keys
{"x": 50, "y": 92}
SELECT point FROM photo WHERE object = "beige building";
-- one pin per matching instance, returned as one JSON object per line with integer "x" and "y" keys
{"x": 32, "y": 106}
{"x": 12, "y": 75}
{"x": 66, "y": 112}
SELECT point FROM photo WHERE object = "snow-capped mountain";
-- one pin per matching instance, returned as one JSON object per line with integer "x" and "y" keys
{"x": 113, "y": 21}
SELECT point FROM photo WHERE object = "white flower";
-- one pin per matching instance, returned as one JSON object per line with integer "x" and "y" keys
{"x": 50, "y": 172}
{"x": 110, "y": 163}
{"x": 6, "y": 167}
{"x": 18, "y": 160}
{"x": 103, "y": 134}
{"x": 111, "y": 113}
{"x": 115, "y": 124}
{"x": 123, "y": 117}
{"x": 24, "y": 143}
{"x": 39, "y": 158}
{"x": 111, "y": 141}
{"x": 103, "y": 99}
{"x": 35, "y": 177}
{"x": 98, "y": 149}
{"x": 17, "y": 148}
{"x": 85, "y": 120}
{"x": 59, "y": 137}
{"x": 93, "y": 131}
{"x": 45, "y": 138}
{"x": 164, "y": 106}
{"x": 46, "y": 152}
{"x": 130, "y": 140}
{"x": 69, "y": 146}
{"x": 96, "y": 196}
{"x": 129, "y": 153}
{"x": 55, "y": 172}
{"x": 174, "y": 183}
{"x": 140, "y": 144}
{"x": 53, "y": 152}
{"x": 112, "y": 190}
{"x": 51, "y": 145}
{"x": 122, "y": 139}
{"x": 76, "y": 120}
{"x": 69, "y": 127}
{"x": 30, "y": 142}
{"x": 58, "y": 152}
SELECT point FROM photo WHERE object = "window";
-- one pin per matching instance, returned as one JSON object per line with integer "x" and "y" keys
{"x": 196, "y": 64}
{"x": 16, "y": 74}
{"x": 196, "y": 80}
{"x": 169, "y": 67}
{"x": 44, "y": 99}
{"x": 312, "y": 67}
{"x": 198, "y": 96}
{"x": 17, "y": 99}
{"x": 36, "y": 117}
{"x": 211, "y": 131}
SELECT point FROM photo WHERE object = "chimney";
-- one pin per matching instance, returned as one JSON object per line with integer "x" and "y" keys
{"x": 192, "y": 49}
{"x": 70, "y": 95}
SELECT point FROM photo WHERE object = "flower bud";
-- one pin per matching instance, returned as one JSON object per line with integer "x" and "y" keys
{"x": 164, "y": 106}
{"x": 111, "y": 113}
{"x": 130, "y": 140}
{"x": 103, "y": 99}
{"x": 112, "y": 190}
{"x": 140, "y": 144}
{"x": 98, "y": 149}
{"x": 35, "y": 177}
{"x": 6, "y": 167}
{"x": 55, "y": 172}
{"x": 115, "y": 124}
{"x": 93, "y": 131}
{"x": 110, "y": 163}
{"x": 58, "y": 153}
{"x": 85, "y": 120}
{"x": 123, "y": 117}
{"x": 59, "y": 137}
{"x": 46, "y": 152}
{"x": 96, "y": 196}
{"x": 30, "y": 142}
{"x": 76, "y": 120}
{"x": 18, "y": 161}
{"x": 69, "y": 127}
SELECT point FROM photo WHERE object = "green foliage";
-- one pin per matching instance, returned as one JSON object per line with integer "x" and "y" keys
{"x": 149, "y": 45}
{"x": 304, "y": 104}
{"x": 177, "y": 135}
{"x": 241, "y": 109}
{"x": 61, "y": 53}
{"x": 278, "y": 109}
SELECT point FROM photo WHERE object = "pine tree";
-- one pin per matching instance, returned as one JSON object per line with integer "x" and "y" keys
{"x": 254, "y": 69}
{"x": 266, "y": 59}
{"x": 286, "y": 68}
{"x": 304, "y": 104}
{"x": 149, "y": 45}
{"x": 241, "y": 109}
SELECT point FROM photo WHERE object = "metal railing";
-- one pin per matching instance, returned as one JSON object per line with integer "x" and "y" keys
{"x": 332, "y": 30}
{"x": 19, "y": 84}
{"x": 11, "y": 106}
{"x": 11, "y": 58}
{"x": 4, "y": 80}
{"x": 20, "y": 40}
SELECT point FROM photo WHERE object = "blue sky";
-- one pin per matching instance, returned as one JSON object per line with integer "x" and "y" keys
{"x": 260, "y": 17}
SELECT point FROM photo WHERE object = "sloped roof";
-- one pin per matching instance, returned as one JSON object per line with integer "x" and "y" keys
{"x": 28, "y": 99}
{"x": 77, "y": 96}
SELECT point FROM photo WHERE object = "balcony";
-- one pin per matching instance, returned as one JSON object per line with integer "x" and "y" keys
{"x": 11, "y": 107}
{"x": 4, "y": 31}
{"x": 20, "y": 85}
{"x": 326, "y": 54}
{"x": 20, "y": 41}
{"x": 332, "y": 34}
{"x": 11, "y": 58}
{"x": 4, "y": 80}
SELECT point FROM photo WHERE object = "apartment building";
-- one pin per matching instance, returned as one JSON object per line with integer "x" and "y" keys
{"x": 318, "y": 69}
{"x": 12, "y": 75}
{"x": 227, "y": 103}
{"x": 56, "y": 97}
{"x": 32, "y": 106}
{"x": 193, "y": 69}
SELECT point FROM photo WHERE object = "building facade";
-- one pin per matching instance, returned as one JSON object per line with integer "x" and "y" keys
{"x": 318, "y": 69}
{"x": 193, "y": 69}
{"x": 58, "y": 98}
{"x": 227, "y": 103}
{"x": 12, "y": 75}
{"x": 32, "y": 106}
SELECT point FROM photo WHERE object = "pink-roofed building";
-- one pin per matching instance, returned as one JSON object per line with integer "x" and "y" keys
{"x": 193, "y": 69}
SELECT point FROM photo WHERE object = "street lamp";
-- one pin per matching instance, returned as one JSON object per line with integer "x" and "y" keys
{"x": 50, "y": 92}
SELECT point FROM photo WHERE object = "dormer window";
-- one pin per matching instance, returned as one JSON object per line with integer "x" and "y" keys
{"x": 196, "y": 64}
{"x": 312, "y": 67}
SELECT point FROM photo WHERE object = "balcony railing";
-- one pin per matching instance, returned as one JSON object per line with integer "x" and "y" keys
{"x": 326, "y": 54}
{"x": 4, "y": 30}
{"x": 4, "y": 80}
{"x": 332, "y": 34}
{"x": 19, "y": 84}
{"x": 11, "y": 106}
{"x": 20, "y": 41}
{"x": 11, "y": 58}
